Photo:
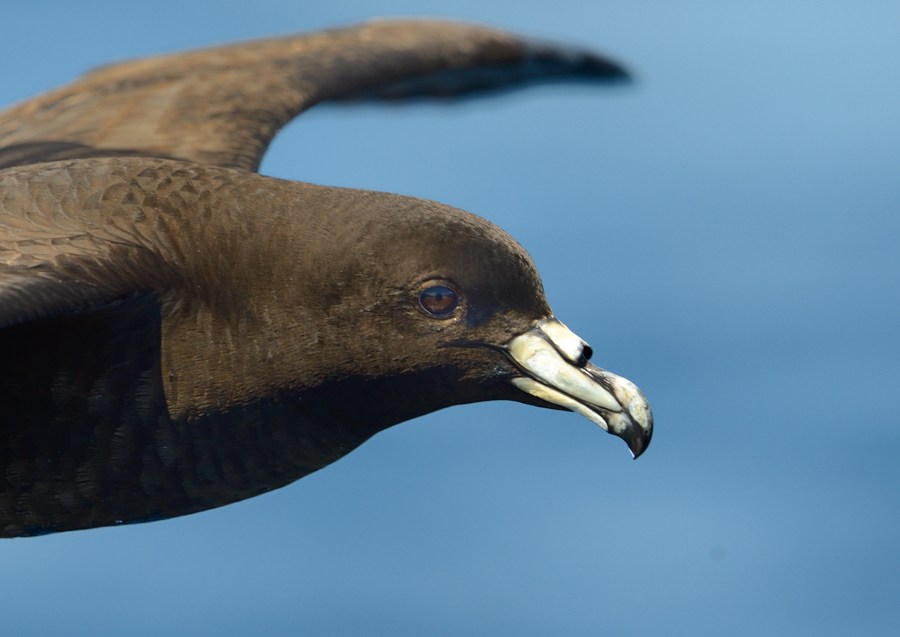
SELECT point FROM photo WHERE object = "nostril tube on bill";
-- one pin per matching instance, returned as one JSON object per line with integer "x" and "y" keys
{"x": 587, "y": 352}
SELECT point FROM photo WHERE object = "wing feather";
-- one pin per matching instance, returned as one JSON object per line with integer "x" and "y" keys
{"x": 222, "y": 106}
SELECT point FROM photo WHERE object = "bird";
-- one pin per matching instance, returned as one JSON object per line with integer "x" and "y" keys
{"x": 179, "y": 332}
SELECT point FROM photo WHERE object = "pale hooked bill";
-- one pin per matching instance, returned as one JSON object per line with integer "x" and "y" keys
{"x": 555, "y": 361}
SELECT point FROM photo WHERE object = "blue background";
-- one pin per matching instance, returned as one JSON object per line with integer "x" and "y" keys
{"x": 725, "y": 232}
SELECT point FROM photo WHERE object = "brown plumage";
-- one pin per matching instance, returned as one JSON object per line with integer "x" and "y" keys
{"x": 179, "y": 332}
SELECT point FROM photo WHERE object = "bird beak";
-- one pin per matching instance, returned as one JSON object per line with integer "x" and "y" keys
{"x": 555, "y": 367}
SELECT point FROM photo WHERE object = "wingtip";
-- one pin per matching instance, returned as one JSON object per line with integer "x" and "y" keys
{"x": 576, "y": 62}
{"x": 606, "y": 68}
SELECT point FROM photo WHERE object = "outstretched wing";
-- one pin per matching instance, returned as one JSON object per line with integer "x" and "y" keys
{"x": 223, "y": 106}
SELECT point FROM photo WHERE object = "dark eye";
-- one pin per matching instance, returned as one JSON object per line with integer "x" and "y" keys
{"x": 438, "y": 301}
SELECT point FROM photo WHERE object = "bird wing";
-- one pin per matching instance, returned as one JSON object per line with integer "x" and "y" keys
{"x": 62, "y": 250}
{"x": 222, "y": 106}
{"x": 28, "y": 295}
{"x": 36, "y": 278}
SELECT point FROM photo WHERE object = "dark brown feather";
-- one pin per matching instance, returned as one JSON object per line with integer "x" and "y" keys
{"x": 178, "y": 332}
{"x": 223, "y": 106}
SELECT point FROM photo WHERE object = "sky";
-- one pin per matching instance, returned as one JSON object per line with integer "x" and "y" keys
{"x": 724, "y": 232}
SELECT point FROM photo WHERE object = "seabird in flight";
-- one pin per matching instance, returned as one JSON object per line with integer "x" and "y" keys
{"x": 178, "y": 332}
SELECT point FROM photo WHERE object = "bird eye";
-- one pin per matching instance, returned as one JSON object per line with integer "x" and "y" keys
{"x": 439, "y": 301}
